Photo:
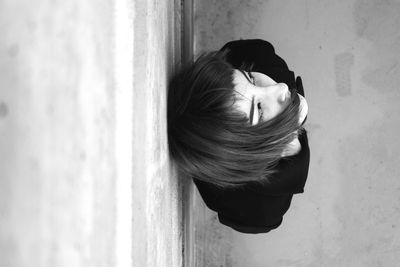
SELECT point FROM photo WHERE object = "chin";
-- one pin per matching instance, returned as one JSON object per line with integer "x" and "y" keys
{"x": 303, "y": 109}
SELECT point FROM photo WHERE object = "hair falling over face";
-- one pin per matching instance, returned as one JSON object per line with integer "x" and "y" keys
{"x": 209, "y": 139}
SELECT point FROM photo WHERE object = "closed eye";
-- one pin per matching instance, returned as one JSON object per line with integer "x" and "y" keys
{"x": 260, "y": 111}
{"x": 251, "y": 79}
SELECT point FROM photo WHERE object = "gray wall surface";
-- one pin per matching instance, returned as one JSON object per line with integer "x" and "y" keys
{"x": 347, "y": 53}
{"x": 85, "y": 178}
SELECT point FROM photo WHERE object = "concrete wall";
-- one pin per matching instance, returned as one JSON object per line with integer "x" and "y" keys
{"x": 157, "y": 198}
{"x": 347, "y": 53}
{"x": 84, "y": 173}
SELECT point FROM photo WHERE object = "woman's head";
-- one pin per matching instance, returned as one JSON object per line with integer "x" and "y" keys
{"x": 210, "y": 133}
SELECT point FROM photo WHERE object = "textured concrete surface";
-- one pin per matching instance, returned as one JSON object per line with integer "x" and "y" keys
{"x": 157, "y": 223}
{"x": 84, "y": 173}
{"x": 347, "y": 53}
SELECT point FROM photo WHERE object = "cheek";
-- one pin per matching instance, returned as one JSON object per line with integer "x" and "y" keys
{"x": 271, "y": 111}
{"x": 242, "y": 107}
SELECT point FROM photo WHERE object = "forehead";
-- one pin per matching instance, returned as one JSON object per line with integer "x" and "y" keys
{"x": 239, "y": 77}
{"x": 242, "y": 86}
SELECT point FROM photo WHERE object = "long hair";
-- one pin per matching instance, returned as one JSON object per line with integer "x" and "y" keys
{"x": 213, "y": 142}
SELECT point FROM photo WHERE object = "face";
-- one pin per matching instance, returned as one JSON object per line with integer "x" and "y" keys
{"x": 261, "y": 98}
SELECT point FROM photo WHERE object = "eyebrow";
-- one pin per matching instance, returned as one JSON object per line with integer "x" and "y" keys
{"x": 245, "y": 76}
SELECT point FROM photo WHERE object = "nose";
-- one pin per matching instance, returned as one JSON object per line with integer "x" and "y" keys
{"x": 282, "y": 91}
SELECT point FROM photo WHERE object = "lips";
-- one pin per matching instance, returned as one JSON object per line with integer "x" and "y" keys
{"x": 304, "y": 121}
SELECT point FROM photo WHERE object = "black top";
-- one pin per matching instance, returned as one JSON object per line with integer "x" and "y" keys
{"x": 255, "y": 207}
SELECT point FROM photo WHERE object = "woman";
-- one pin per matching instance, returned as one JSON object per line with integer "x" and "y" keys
{"x": 235, "y": 122}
